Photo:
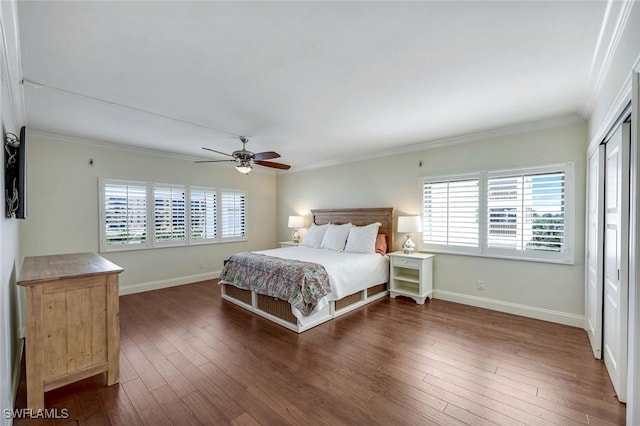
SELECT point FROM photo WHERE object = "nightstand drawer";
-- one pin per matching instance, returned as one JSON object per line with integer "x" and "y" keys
{"x": 407, "y": 263}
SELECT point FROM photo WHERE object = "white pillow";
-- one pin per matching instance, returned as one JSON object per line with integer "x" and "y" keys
{"x": 314, "y": 236}
{"x": 362, "y": 239}
{"x": 336, "y": 237}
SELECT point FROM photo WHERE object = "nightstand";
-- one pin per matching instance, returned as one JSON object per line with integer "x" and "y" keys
{"x": 288, "y": 243}
{"x": 411, "y": 275}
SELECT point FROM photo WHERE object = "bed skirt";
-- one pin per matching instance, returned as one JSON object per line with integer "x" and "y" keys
{"x": 279, "y": 311}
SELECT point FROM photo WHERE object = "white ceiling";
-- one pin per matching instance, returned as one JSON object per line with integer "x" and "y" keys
{"x": 318, "y": 82}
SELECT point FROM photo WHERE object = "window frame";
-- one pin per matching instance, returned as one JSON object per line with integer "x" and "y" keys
{"x": 150, "y": 242}
{"x": 567, "y": 256}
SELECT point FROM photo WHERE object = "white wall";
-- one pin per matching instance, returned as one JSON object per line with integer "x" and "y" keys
{"x": 9, "y": 265}
{"x": 10, "y": 343}
{"x": 541, "y": 290}
{"x": 63, "y": 208}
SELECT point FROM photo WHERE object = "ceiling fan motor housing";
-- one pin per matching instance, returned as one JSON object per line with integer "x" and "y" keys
{"x": 242, "y": 155}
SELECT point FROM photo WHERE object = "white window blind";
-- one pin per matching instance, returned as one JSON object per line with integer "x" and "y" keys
{"x": 533, "y": 218}
{"x": 124, "y": 210}
{"x": 139, "y": 215}
{"x": 233, "y": 214}
{"x": 522, "y": 214}
{"x": 169, "y": 214}
{"x": 450, "y": 212}
{"x": 204, "y": 214}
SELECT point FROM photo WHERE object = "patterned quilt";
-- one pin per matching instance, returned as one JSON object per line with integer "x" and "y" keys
{"x": 302, "y": 284}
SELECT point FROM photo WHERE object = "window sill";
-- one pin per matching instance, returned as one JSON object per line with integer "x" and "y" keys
{"x": 163, "y": 246}
{"x": 497, "y": 256}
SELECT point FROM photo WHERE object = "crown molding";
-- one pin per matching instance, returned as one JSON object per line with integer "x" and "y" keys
{"x": 619, "y": 104}
{"x": 602, "y": 59}
{"x": 57, "y": 138}
{"x": 520, "y": 128}
{"x": 526, "y": 127}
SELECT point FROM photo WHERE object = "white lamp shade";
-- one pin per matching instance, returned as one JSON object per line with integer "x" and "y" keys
{"x": 409, "y": 224}
{"x": 296, "y": 222}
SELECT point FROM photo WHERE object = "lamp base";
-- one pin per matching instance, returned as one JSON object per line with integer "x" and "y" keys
{"x": 409, "y": 246}
{"x": 295, "y": 237}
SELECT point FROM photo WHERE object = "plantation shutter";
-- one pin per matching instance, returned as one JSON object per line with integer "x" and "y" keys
{"x": 125, "y": 214}
{"x": 527, "y": 212}
{"x": 450, "y": 213}
{"x": 169, "y": 214}
{"x": 203, "y": 215}
{"x": 233, "y": 211}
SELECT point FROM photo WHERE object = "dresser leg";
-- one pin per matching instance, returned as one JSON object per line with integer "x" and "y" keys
{"x": 113, "y": 330}
{"x": 34, "y": 348}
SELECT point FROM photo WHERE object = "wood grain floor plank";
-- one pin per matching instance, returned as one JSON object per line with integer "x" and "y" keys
{"x": 225, "y": 407}
{"x": 245, "y": 420}
{"x": 396, "y": 409}
{"x": 146, "y": 406}
{"x": 118, "y": 406}
{"x": 466, "y": 417}
{"x": 204, "y": 412}
{"x": 180, "y": 385}
{"x": 144, "y": 370}
{"x": 497, "y": 406}
{"x": 610, "y": 409}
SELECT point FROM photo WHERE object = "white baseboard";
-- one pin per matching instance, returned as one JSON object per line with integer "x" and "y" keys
{"x": 171, "y": 282}
{"x": 512, "y": 308}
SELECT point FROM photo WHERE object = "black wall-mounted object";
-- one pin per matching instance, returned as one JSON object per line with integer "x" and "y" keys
{"x": 15, "y": 183}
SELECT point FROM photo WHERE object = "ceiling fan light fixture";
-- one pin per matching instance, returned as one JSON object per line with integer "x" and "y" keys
{"x": 246, "y": 159}
{"x": 244, "y": 167}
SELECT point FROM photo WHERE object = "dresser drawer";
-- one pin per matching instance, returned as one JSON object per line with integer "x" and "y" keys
{"x": 407, "y": 263}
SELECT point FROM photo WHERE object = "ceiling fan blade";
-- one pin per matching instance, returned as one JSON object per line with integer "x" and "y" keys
{"x": 273, "y": 165}
{"x": 268, "y": 155}
{"x": 212, "y": 161}
{"x": 218, "y": 152}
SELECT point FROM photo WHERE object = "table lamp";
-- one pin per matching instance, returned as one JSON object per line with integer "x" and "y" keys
{"x": 296, "y": 222}
{"x": 407, "y": 225}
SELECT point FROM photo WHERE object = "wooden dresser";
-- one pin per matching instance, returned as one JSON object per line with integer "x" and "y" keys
{"x": 72, "y": 330}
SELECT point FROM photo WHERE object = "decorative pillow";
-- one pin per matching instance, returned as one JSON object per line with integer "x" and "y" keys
{"x": 381, "y": 244}
{"x": 314, "y": 236}
{"x": 336, "y": 237}
{"x": 362, "y": 239}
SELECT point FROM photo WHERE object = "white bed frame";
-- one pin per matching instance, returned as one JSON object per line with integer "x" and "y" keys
{"x": 328, "y": 313}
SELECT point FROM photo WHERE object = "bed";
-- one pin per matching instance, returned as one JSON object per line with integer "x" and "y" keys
{"x": 367, "y": 282}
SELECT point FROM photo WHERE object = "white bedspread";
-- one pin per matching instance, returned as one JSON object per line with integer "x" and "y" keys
{"x": 348, "y": 272}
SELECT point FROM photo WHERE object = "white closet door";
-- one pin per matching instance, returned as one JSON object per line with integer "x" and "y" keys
{"x": 616, "y": 235}
{"x": 594, "y": 266}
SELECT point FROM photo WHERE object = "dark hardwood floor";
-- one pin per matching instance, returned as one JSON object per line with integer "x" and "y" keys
{"x": 190, "y": 358}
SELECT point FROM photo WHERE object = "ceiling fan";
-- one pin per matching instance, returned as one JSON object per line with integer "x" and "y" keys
{"x": 246, "y": 159}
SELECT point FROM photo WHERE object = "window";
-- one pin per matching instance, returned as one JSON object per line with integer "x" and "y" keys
{"x": 169, "y": 215}
{"x": 136, "y": 215}
{"x": 450, "y": 213}
{"x": 524, "y": 214}
{"x": 204, "y": 215}
{"x": 232, "y": 213}
{"x": 125, "y": 214}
